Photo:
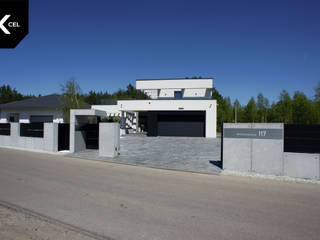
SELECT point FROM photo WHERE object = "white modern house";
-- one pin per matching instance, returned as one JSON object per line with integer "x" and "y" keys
{"x": 177, "y": 107}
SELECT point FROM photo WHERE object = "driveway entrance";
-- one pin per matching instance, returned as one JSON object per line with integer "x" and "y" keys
{"x": 182, "y": 153}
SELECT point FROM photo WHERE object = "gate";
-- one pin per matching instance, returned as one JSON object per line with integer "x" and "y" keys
{"x": 92, "y": 136}
{"x": 63, "y": 136}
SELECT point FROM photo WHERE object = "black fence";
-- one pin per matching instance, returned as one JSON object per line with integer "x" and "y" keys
{"x": 5, "y": 129}
{"x": 92, "y": 136}
{"x": 31, "y": 130}
{"x": 63, "y": 136}
{"x": 302, "y": 138}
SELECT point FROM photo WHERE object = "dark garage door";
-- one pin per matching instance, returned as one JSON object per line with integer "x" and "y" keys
{"x": 179, "y": 123}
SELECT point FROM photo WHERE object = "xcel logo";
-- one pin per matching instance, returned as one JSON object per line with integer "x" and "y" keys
{"x": 10, "y": 24}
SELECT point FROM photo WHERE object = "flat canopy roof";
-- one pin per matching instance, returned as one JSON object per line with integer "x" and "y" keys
{"x": 157, "y": 79}
{"x": 88, "y": 112}
{"x": 180, "y": 83}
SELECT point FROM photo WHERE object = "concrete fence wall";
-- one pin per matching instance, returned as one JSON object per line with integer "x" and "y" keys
{"x": 258, "y": 147}
{"x": 48, "y": 143}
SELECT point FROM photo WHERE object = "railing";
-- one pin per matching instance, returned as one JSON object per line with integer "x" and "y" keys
{"x": 31, "y": 130}
{"x": 5, "y": 129}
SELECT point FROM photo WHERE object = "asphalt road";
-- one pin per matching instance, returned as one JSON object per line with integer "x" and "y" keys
{"x": 127, "y": 202}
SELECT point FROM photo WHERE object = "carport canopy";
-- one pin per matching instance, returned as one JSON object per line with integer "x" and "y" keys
{"x": 85, "y": 112}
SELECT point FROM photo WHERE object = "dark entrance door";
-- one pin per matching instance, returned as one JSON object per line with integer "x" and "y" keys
{"x": 63, "y": 136}
{"x": 177, "y": 123}
{"x": 92, "y": 136}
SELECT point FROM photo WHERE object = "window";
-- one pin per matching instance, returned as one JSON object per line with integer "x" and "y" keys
{"x": 41, "y": 118}
{"x": 13, "y": 117}
{"x": 178, "y": 94}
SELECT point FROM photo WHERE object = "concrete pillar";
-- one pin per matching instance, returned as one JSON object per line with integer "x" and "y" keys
{"x": 14, "y": 134}
{"x": 77, "y": 138}
{"x": 211, "y": 121}
{"x": 109, "y": 139}
{"x": 136, "y": 122}
{"x": 50, "y": 137}
{"x": 123, "y": 124}
{"x": 72, "y": 131}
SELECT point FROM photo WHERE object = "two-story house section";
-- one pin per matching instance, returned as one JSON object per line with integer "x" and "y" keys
{"x": 177, "y": 107}
{"x": 178, "y": 88}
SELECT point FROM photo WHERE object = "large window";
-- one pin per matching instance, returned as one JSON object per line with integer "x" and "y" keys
{"x": 178, "y": 94}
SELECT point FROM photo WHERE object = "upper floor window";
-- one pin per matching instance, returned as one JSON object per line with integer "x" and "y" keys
{"x": 178, "y": 94}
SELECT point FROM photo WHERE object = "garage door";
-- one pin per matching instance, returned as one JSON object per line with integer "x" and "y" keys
{"x": 188, "y": 124}
{"x": 187, "y": 129}
{"x": 41, "y": 118}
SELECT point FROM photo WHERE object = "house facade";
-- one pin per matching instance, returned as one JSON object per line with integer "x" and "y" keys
{"x": 177, "y": 107}
{"x": 41, "y": 109}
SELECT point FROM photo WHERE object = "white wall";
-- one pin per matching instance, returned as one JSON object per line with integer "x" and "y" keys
{"x": 111, "y": 110}
{"x": 166, "y": 88}
{"x": 195, "y": 92}
{"x": 152, "y": 93}
{"x": 174, "y": 83}
{"x": 25, "y": 114}
{"x": 210, "y": 106}
{"x": 168, "y": 93}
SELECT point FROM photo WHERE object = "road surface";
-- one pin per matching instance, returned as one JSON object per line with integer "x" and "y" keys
{"x": 126, "y": 202}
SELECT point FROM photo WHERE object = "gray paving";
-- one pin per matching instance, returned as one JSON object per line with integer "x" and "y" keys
{"x": 138, "y": 203}
{"x": 182, "y": 153}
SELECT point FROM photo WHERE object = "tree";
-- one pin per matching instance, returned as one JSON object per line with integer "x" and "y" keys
{"x": 130, "y": 93}
{"x": 250, "y": 111}
{"x": 284, "y": 107}
{"x": 220, "y": 109}
{"x": 317, "y": 94}
{"x": 96, "y": 98}
{"x": 262, "y": 105}
{"x": 238, "y": 111}
{"x": 9, "y": 94}
{"x": 71, "y": 98}
{"x": 302, "y": 109}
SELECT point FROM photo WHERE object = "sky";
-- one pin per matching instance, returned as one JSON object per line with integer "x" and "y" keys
{"x": 248, "y": 47}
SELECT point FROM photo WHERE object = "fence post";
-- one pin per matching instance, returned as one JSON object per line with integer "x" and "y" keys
{"x": 221, "y": 146}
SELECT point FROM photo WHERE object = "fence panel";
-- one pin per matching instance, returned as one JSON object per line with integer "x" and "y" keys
{"x": 63, "y": 136}
{"x": 302, "y": 138}
{"x": 31, "y": 130}
{"x": 5, "y": 129}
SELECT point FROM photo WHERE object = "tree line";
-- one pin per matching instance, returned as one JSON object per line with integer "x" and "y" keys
{"x": 9, "y": 94}
{"x": 297, "y": 108}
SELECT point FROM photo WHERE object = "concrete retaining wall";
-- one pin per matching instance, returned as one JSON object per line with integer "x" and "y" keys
{"x": 258, "y": 147}
{"x": 48, "y": 143}
{"x": 302, "y": 165}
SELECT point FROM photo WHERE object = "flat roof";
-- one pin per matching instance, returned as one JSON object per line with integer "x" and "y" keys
{"x": 157, "y": 79}
{"x": 53, "y": 101}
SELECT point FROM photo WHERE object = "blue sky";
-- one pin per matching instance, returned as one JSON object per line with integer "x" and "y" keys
{"x": 247, "y": 46}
